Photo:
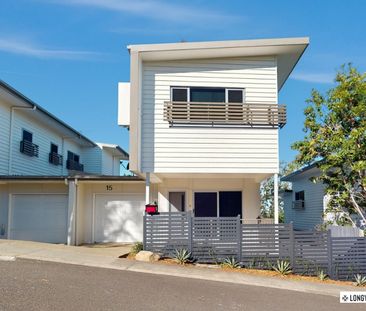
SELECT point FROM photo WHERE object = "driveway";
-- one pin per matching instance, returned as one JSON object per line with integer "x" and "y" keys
{"x": 37, "y": 285}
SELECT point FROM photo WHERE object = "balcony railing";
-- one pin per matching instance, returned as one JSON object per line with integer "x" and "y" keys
{"x": 74, "y": 166}
{"x": 28, "y": 148}
{"x": 299, "y": 204}
{"x": 237, "y": 114}
{"x": 55, "y": 158}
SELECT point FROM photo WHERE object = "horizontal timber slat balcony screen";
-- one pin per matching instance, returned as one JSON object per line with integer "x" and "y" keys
{"x": 237, "y": 114}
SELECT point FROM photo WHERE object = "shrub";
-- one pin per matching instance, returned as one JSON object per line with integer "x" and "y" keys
{"x": 230, "y": 262}
{"x": 283, "y": 267}
{"x": 322, "y": 275}
{"x": 360, "y": 280}
{"x": 182, "y": 256}
{"x": 137, "y": 247}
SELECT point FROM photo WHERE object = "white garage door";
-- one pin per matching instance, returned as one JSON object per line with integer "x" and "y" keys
{"x": 39, "y": 217}
{"x": 118, "y": 218}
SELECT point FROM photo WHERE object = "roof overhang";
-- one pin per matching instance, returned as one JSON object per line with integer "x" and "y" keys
{"x": 43, "y": 178}
{"x": 287, "y": 51}
{"x": 310, "y": 170}
{"x": 115, "y": 150}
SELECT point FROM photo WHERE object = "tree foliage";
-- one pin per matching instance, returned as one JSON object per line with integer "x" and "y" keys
{"x": 335, "y": 138}
{"x": 267, "y": 193}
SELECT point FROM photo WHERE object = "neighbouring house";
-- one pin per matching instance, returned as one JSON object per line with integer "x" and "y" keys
{"x": 306, "y": 203}
{"x": 55, "y": 183}
{"x": 204, "y": 122}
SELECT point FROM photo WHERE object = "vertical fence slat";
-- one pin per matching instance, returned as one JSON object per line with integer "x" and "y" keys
{"x": 190, "y": 232}
{"x": 144, "y": 232}
{"x": 330, "y": 253}
{"x": 239, "y": 233}
{"x": 292, "y": 245}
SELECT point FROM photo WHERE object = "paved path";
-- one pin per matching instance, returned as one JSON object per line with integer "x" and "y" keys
{"x": 108, "y": 258}
{"x": 39, "y": 285}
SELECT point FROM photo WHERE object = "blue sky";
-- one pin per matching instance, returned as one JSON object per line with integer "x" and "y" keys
{"x": 68, "y": 55}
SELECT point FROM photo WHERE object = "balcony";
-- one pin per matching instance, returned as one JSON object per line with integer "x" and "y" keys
{"x": 28, "y": 148}
{"x": 55, "y": 158}
{"x": 225, "y": 114}
{"x": 74, "y": 166}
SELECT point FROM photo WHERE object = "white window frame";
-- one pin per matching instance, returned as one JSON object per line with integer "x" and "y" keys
{"x": 181, "y": 88}
{"x": 185, "y": 198}
{"x": 188, "y": 89}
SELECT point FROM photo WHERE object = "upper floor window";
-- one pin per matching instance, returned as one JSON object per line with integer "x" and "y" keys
{"x": 27, "y": 136}
{"x": 207, "y": 95}
{"x": 73, "y": 162}
{"x": 26, "y": 145}
{"x": 54, "y": 157}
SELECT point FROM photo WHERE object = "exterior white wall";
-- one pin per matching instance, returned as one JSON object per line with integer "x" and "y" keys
{"x": 249, "y": 188}
{"x": 24, "y": 188}
{"x": 110, "y": 164}
{"x": 195, "y": 149}
{"x": 4, "y": 138}
{"x": 312, "y": 214}
{"x": 124, "y": 104}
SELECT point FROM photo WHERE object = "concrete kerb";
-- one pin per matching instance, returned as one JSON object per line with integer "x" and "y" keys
{"x": 79, "y": 256}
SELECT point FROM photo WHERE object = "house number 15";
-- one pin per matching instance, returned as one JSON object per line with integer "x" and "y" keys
{"x": 109, "y": 187}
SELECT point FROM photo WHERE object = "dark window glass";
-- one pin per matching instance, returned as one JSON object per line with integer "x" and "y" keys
{"x": 230, "y": 203}
{"x": 54, "y": 148}
{"x": 28, "y": 136}
{"x": 205, "y": 204}
{"x": 300, "y": 196}
{"x": 179, "y": 95}
{"x": 235, "y": 96}
{"x": 72, "y": 156}
{"x": 209, "y": 95}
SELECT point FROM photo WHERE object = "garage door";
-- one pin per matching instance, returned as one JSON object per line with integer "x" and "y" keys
{"x": 118, "y": 218}
{"x": 39, "y": 217}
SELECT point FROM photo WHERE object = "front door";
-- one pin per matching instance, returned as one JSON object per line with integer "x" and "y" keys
{"x": 205, "y": 204}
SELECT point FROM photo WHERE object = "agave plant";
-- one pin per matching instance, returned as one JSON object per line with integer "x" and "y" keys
{"x": 182, "y": 256}
{"x": 230, "y": 262}
{"x": 360, "y": 280}
{"x": 138, "y": 246}
{"x": 322, "y": 276}
{"x": 283, "y": 267}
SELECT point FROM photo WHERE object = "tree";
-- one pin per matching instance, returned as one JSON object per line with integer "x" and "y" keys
{"x": 335, "y": 139}
{"x": 267, "y": 193}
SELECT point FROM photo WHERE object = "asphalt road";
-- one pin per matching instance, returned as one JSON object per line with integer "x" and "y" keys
{"x": 33, "y": 285}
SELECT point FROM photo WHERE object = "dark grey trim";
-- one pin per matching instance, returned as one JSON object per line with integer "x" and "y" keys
{"x": 290, "y": 176}
{"x": 50, "y": 115}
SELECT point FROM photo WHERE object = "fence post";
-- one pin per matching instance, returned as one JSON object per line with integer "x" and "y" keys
{"x": 238, "y": 236}
{"x": 292, "y": 246}
{"x": 330, "y": 253}
{"x": 144, "y": 232}
{"x": 190, "y": 233}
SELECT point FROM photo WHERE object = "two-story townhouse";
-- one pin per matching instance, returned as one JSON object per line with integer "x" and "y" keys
{"x": 204, "y": 121}
{"x": 57, "y": 185}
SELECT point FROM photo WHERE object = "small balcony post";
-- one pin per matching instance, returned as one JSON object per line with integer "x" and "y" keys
{"x": 147, "y": 188}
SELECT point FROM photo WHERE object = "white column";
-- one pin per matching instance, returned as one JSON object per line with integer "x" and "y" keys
{"x": 71, "y": 215}
{"x": 147, "y": 190}
{"x": 275, "y": 198}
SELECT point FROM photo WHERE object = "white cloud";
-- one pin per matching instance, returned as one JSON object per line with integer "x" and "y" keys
{"x": 326, "y": 78}
{"x": 15, "y": 45}
{"x": 154, "y": 9}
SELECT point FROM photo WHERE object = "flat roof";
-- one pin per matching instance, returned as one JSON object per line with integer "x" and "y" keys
{"x": 288, "y": 51}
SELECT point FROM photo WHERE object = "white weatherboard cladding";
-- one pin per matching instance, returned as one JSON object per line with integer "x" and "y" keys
{"x": 4, "y": 138}
{"x": 167, "y": 149}
{"x": 92, "y": 160}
